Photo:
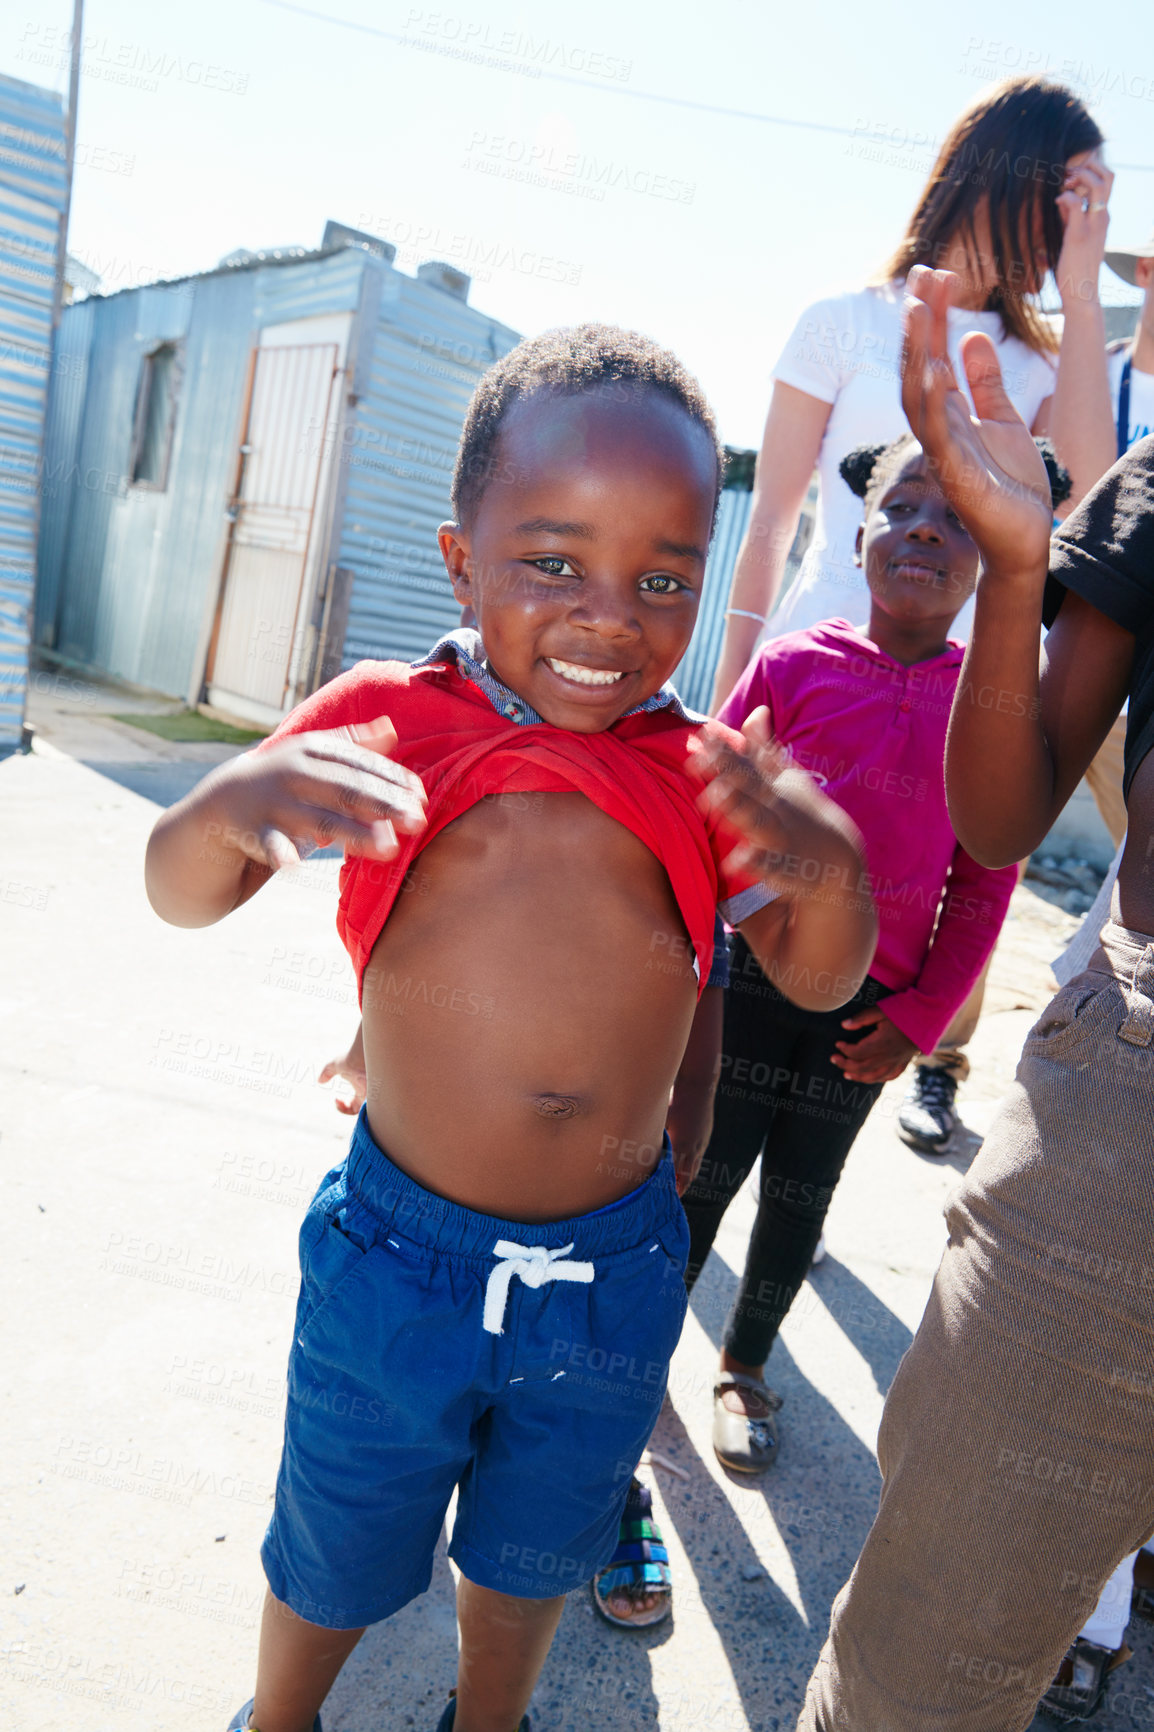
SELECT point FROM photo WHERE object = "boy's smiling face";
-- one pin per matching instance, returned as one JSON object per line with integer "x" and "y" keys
{"x": 584, "y": 558}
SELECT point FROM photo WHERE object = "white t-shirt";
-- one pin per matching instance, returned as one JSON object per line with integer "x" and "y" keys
{"x": 1141, "y": 397}
{"x": 847, "y": 351}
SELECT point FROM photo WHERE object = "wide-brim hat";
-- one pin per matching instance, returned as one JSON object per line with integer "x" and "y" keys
{"x": 1125, "y": 264}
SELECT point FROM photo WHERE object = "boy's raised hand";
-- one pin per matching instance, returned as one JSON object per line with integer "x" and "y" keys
{"x": 785, "y": 819}
{"x": 215, "y": 848}
{"x": 987, "y": 463}
{"x": 339, "y": 785}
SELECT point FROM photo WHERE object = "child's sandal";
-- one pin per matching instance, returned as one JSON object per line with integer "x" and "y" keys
{"x": 640, "y": 1565}
{"x": 1079, "y": 1686}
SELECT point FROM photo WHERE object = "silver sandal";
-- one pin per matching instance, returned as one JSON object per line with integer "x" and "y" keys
{"x": 743, "y": 1442}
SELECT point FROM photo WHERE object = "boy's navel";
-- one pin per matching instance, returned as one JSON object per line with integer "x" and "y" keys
{"x": 556, "y": 1106}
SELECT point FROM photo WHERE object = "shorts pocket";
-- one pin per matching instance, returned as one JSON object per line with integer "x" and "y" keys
{"x": 342, "y": 1330}
{"x": 336, "y": 1237}
{"x": 1073, "y": 1015}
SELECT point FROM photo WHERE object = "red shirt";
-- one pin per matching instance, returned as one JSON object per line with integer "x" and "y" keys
{"x": 872, "y": 732}
{"x": 463, "y": 748}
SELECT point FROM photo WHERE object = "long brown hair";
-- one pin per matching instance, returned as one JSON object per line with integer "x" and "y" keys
{"x": 1010, "y": 148}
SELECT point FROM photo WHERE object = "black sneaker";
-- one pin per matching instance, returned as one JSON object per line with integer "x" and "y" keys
{"x": 926, "y": 1119}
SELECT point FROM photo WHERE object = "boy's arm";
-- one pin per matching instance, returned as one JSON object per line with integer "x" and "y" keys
{"x": 690, "y": 1117}
{"x": 1021, "y": 732}
{"x": 816, "y": 939}
{"x": 216, "y": 847}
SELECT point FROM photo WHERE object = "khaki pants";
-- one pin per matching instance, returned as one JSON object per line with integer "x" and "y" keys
{"x": 1017, "y": 1442}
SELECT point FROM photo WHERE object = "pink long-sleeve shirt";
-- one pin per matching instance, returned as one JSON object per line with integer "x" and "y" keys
{"x": 872, "y": 732}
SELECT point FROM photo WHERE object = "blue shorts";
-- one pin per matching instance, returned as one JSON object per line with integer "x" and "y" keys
{"x": 436, "y": 1348}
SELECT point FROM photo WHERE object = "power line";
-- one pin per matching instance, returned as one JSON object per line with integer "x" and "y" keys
{"x": 616, "y": 89}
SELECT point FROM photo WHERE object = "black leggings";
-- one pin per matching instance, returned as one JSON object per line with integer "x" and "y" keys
{"x": 779, "y": 1097}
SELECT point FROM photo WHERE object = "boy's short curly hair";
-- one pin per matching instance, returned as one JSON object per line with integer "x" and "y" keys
{"x": 567, "y": 362}
{"x": 867, "y": 468}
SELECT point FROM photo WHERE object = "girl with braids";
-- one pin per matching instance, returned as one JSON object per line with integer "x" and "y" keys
{"x": 1019, "y": 190}
{"x": 864, "y": 712}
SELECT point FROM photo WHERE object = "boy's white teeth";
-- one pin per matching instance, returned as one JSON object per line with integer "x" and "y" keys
{"x": 585, "y": 676}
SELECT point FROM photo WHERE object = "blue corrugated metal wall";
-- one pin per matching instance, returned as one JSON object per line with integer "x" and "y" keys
{"x": 694, "y": 677}
{"x": 131, "y": 573}
{"x": 67, "y": 390}
{"x": 33, "y": 192}
{"x": 399, "y": 450}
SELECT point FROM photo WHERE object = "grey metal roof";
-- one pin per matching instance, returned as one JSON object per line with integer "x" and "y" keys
{"x": 242, "y": 260}
{"x": 33, "y": 194}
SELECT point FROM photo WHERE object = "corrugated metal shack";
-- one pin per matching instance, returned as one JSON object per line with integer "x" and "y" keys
{"x": 245, "y": 469}
{"x": 33, "y": 200}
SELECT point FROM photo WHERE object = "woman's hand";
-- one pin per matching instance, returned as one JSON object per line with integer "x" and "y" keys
{"x": 1084, "y": 204}
{"x": 877, "y": 1057}
{"x": 986, "y": 463}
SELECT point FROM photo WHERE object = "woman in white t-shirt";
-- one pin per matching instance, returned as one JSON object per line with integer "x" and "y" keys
{"x": 1018, "y": 190}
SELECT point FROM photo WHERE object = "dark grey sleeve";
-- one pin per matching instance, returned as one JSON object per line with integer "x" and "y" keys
{"x": 1104, "y": 551}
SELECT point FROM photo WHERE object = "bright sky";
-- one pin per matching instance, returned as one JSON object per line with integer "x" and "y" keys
{"x": 606, "y": 160}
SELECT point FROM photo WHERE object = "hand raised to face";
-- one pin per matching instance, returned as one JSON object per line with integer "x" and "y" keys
{"x": 985, "y": 460}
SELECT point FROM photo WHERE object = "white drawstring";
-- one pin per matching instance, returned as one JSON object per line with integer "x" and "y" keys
{"x": 535, "y": 1264}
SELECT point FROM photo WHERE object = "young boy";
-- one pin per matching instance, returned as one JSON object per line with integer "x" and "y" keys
{"x": 1017, "y": 1442}
{"x": 537, "y": 839}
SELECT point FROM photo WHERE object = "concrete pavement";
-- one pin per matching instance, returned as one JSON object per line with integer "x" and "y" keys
{"x": 162, "y": 1133}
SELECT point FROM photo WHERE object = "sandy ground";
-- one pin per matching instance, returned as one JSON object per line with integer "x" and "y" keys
{"x": 162, "y": 1133}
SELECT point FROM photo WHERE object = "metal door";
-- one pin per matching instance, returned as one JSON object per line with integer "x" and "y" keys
{"x": 258, "y": 633}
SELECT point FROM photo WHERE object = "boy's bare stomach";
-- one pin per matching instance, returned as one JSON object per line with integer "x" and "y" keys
{"x": 526, "y": 1009}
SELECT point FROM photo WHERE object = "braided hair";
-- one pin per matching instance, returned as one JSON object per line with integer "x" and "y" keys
{"x": 866, "y": 469}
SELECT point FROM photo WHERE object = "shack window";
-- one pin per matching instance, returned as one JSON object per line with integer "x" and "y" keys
{"x": 155, "y": 414}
